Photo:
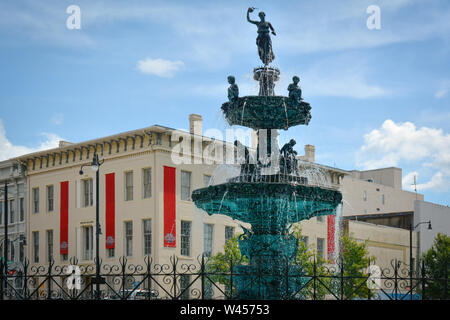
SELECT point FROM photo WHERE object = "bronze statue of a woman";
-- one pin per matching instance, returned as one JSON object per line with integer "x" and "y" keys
{"x": 263, "y": 41}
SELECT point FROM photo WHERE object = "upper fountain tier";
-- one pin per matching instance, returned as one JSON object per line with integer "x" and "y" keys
{"x": 266, "y": 111}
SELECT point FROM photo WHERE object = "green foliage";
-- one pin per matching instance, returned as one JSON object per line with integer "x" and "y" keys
{"x": 355, "y": 260}
{"x": 437, "y": 266}
{"x": 220, "y": 264}
{"x": 308, "y": 259}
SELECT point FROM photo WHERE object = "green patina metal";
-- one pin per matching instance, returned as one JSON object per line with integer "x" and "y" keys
{"x": 267, "y": 112}
{"x": 270, "y": 203}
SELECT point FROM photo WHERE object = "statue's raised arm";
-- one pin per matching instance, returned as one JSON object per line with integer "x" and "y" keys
{"x": 248, "y": 16}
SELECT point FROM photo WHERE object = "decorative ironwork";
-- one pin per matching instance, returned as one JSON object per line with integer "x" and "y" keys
{"x": 180, "y": 280}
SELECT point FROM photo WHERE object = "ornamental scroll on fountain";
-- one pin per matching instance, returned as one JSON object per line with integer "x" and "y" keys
{"x": 270, "y": 193}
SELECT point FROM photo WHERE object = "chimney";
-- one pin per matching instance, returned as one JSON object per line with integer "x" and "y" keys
{"x": 195, "y": 124}
{"x": 63, "y": 143}
{"x": 310, "y": 151}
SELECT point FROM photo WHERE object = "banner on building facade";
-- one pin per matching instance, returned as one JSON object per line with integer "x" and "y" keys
{"x": 64, "y": 218}
{"x": 110, "y": 206}
{"x": 330, "y": 236}
{"x": 169, "y": 207}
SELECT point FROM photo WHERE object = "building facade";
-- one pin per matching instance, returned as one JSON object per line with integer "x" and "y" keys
{"x": 12, "y": 176}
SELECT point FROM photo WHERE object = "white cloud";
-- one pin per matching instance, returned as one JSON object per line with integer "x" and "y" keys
{"x": 160, "y": 67}
{"x": 397, "y": 144}
{"x": 8, "y": 150}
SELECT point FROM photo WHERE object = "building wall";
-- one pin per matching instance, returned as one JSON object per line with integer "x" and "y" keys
{"x": 10, "y": 171}
{"x": 384, "y": 243}
{"x": 362, "y": 197}
{"x": 155, "y": 156}
{"x": 440, "y": 222}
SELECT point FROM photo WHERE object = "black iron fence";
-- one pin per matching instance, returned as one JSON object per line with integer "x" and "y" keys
{"x": 180, "y": 280}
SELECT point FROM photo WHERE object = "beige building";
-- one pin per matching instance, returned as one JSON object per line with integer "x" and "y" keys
{"x": 138, "y": 160}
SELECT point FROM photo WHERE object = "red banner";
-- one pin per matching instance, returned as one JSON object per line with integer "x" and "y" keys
{"x": 169, "y": 207}
{"x": 64, "y": 218}
{"x": 330, "y": 236}
{"x": 110, "y": 204}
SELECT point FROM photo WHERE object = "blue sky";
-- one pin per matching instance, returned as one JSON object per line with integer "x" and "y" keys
{"x": 379, "y": 97}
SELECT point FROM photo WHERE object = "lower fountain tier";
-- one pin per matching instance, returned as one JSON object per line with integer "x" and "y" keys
{"x": 269, "y": 206}
{"x": 270, "y": 281}
{"x": 267, "y": 112}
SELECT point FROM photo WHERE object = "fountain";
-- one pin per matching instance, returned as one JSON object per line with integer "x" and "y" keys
{"x": 272, "y": 191}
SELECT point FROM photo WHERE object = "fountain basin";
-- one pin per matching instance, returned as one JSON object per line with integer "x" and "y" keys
{"x": 270, "y": 206}
{"x": 267, "y": 112}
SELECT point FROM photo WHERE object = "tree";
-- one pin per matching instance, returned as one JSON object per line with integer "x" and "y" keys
{"x": 309, "y": 260}
{"x": 437, "y": 266}
{"x": 354, "y": 263}
{"x": 219, "y": 265}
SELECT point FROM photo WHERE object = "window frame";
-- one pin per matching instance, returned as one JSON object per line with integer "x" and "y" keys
{"x": 144, "y": 184}
{"x": 126, "y": 186}
{"x": 146, "y": 237}
{"x": 128, "y": 239}
{"x": 35, "y": 192}
{"x": 185, "y": 173}
{"x": 208, "y": 239}
{"x": 50, "y": 201}
{"x": 185, "y": 250}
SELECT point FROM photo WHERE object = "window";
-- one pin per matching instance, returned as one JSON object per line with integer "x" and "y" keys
{"x": 36, "y": 246}
{"x": 382, "y": 199}
{"x": 21, "y": 210}
{"x": 129, "y": 186}
{"x": 147, "y": 232}
{"x": 319, "y": 219}
{"x": 111, "y": 252}
{"x": 208, "y": 239}
{"x": 12, "y": 204}
{"x": 88, "y": 243}
{"x": 12, "y": 250}
{"x": 305, "y": 240}
{"x": 128, "y": 238}
{"x": 229, "y": 233}
{"x": 185, "y": 281}
{"x": 206, "y": 180}
{"x": 49, "y": 245}
{"x": 147, "y": 181}
{"x": 35, "y": 200}
{"x": 1, "y": 212}
{"x": 159, "y": 138}
{"x": 185, "y": 238}
{"x": 320, "y": 242}
{"x": 64, "y": 257}
{"x": 88, "y": 192}
{"x": 49, "y": 198}
{"x": 21, "y": 251}
{"x": 185, "y": 185}
{"x": 365, "y": 195}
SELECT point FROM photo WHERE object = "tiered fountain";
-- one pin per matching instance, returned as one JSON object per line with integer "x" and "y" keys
{"x": 270, "y": 193}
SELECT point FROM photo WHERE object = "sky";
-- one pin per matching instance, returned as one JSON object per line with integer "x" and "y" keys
{"x": 380, "y": 97}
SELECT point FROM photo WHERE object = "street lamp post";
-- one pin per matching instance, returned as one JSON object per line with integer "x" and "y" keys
{"x": 95, "y": 165}
{"x": 411, "y": 229}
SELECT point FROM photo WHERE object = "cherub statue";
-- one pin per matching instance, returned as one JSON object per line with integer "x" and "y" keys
{"x": 233, "y": 90}
{"x": 295, "y": 92}
{"x": 289, "y": 157}
{"x": 263, "y": 40}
